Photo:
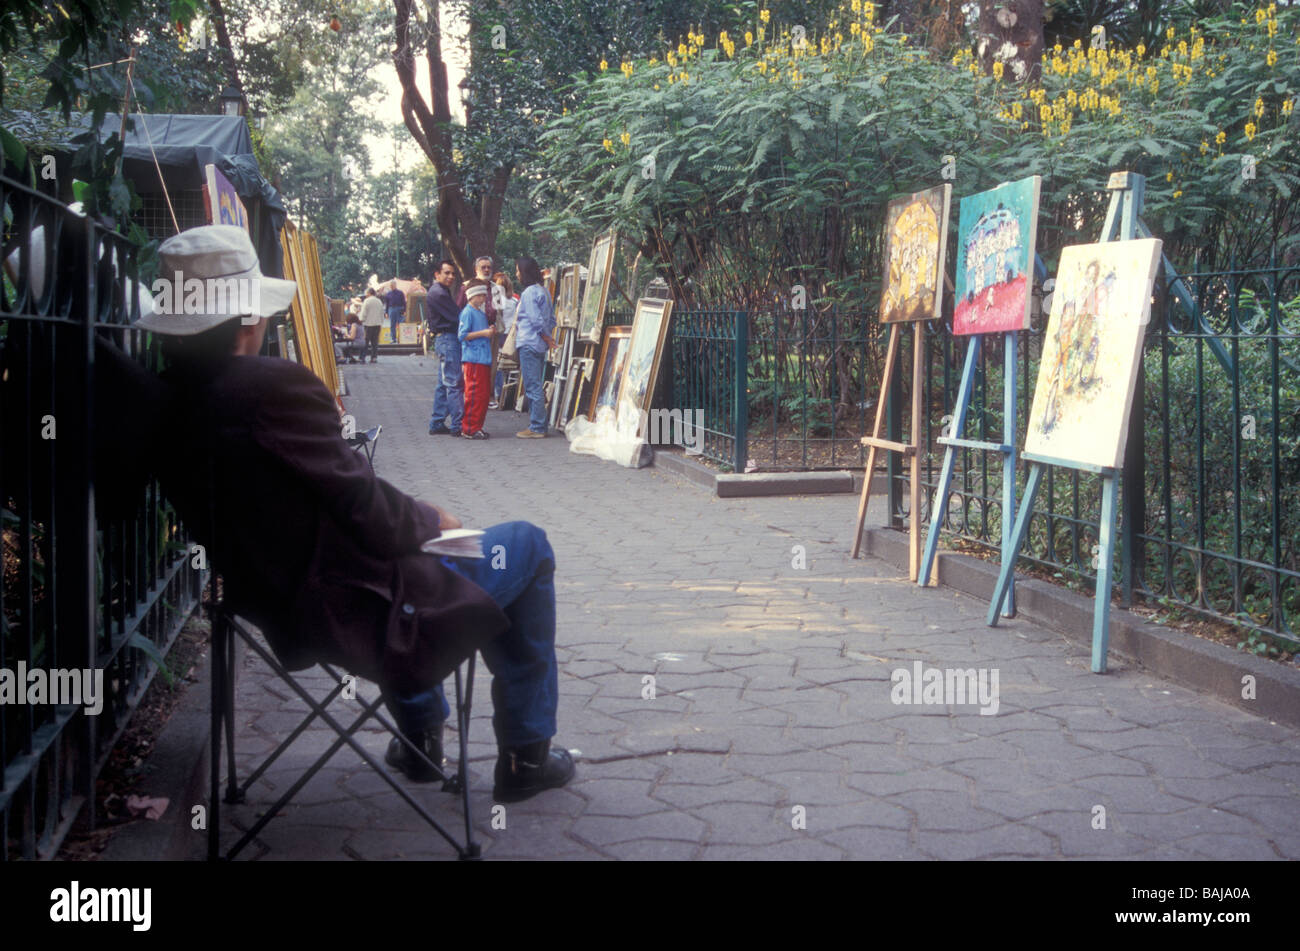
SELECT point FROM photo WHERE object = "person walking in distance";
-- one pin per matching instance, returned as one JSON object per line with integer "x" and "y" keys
{"x": 395, "y": 304}
{"x": 443, "y": 317}
{"x": 372, "y": 318}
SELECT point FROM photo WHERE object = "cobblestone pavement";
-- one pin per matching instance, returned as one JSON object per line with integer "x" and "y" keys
{"x": 771, "y": 733}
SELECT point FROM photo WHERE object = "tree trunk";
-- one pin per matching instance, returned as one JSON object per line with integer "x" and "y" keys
{"x": 430, "y": 125}
{"x": 227, "y": 50}
{"x": 1011, "y": 32}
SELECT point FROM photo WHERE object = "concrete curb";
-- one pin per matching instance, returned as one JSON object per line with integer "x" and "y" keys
{"x": 1206, "y": 666}
{"x": 178, "y": 767}
{"x": 732, "y": 485}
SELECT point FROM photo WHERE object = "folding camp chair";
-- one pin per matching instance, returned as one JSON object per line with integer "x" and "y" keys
{"x": 365, "y": 442}
{"x": 225, "y": 627}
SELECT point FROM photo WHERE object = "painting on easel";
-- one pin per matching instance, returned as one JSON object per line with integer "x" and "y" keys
{"x": 1091, "y": 350}
{"x": 916, "y": 232}
{"x": 996, "y": 232}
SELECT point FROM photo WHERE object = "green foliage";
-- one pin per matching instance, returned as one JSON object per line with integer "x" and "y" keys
{"x": 771, "y": 163}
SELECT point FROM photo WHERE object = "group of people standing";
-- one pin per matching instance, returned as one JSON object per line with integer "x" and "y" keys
{"x": 469, "y": 327}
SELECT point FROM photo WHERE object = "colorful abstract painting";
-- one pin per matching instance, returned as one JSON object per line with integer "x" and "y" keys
{"x": 916, "y": 237}
{"x": 996, "y": 232}
{"x": 1091, "y": 349}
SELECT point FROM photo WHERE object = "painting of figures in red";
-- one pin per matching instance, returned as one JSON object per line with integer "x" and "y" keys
{"x": 996, "y": 233}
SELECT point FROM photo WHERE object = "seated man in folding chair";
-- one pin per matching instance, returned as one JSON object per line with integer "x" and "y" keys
{"x": 323, "y": 555}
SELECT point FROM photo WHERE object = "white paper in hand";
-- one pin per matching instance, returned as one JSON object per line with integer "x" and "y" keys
{"x": 456, "y": 543}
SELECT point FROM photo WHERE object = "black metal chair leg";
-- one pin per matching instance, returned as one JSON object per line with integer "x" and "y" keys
{"x": 217, "y": 718}
{"x": 233, "y": 792}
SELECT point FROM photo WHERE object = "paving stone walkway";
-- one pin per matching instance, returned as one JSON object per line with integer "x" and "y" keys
{"x": 771, "y": 733}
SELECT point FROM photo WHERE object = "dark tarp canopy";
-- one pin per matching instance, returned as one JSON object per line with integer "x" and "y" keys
{"x": 183, "y": 145}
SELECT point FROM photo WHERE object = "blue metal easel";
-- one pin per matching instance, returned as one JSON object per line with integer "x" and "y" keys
{"x": 1127, "y": 192}
{"x": 1007, "y": 447}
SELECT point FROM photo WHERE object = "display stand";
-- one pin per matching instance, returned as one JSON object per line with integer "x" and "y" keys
{"x": 1127, "y": 191}
{"x": 955, "y": 441}
{"x": 909, "y": 450}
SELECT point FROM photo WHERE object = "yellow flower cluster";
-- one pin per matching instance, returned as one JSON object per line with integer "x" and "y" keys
{"x": 727, "y": 44}
{"x": 626, "y": 69}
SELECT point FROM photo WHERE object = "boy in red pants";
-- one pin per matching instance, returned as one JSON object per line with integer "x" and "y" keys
{"x": 476, "y": 358}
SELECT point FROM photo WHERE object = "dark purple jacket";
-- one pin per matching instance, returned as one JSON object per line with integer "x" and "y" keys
{"x": 440, "y": 310}
{"x": 314, "y": 548}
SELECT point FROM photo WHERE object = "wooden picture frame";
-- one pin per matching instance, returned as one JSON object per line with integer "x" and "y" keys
{"x": 579, "y": 373}
{"x": 556, "y": 353}
{"x": 609, "y": 369}
{"x": 644, "y": 358}
{"x": 566, "y": 296}
{"x": 600, "y": 269}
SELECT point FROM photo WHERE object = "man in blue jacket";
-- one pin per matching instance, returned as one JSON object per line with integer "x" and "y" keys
{"x": 443, "y": 317}
{"x": 395, "y": 302}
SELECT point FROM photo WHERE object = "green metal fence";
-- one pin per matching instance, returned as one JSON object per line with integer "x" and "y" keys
{"x": 709, "y": 357}
{"x": 1210, "y": 513}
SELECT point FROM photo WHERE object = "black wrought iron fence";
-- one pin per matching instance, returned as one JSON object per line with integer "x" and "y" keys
{"x": 80, "y": 592}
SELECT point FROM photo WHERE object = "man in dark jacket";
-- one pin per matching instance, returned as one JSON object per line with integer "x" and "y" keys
{"x": 443, "y": 317}
{"x": 395, "y": 304}
{"x": 324, "y": 556}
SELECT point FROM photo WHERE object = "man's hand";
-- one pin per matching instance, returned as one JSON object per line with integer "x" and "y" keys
{"x": 446, "y": 520}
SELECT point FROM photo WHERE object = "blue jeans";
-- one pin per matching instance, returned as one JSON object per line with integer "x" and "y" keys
{"x": 518, "y": 573}
{"x": 395, "y": 315}
{"x": 449, "y": 397}
{"x": 532, "y": 365}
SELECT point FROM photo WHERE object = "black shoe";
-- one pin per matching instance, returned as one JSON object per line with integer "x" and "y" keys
{"x": 481, "y": 434}
{"x": 439, "y": 431}
{"x": 453, "y": 432}
{"x": 523, "y": 772}
{"x": 400, "y": 757}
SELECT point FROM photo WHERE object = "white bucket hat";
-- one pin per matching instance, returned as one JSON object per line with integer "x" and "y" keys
{"x": 210, "y": 275}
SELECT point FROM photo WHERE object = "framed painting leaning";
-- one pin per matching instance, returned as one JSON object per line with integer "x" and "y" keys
{"x": 609, "y": 370}
{"x": 915, "y": 240}
{"x": 1091, "y": 350}
{"x": 644, "y": 356}
{"x": 599, "y": 271}
{"x": 566, "y": 296}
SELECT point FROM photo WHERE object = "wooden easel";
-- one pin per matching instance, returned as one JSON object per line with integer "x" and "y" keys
{"x": 909, "y": 450}
{"x": 1127, "y": 192}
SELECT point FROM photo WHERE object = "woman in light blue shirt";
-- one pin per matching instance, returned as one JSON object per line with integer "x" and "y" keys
{"x": 535, "y": 320}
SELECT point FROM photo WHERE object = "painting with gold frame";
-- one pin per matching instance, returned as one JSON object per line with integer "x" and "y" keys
{"x": 599, "y": 271}
{"x": 644, "y": 357}
{"x": 609, "y": 369}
